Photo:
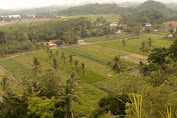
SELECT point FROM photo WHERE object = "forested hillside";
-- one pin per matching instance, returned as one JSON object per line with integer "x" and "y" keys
{"x": 98, "y": 9}
{"x": 114, "y": 8}
{"x": 158, "y": 6}
{"x": 122, "y": 8}
{"x": 29, "y": 37}
{"x": 143, "y": 17}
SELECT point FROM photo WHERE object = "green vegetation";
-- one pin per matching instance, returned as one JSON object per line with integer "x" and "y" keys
{"x": 143, "y": 17}
{"x": 133, "y": 45}
{"x": 97, "y": 9}
{"x": 93, "y": 17}
{"x": 92, "y": 81}
{"x": 22, "y": 38}
{"x": 129, "y": 74}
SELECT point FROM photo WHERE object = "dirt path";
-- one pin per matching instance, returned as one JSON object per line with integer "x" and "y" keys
{"x": 8, "y": 73}
{"x": 135, "y": 58}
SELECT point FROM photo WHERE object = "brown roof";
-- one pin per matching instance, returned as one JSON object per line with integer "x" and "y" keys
{"x": 79, "y": 38}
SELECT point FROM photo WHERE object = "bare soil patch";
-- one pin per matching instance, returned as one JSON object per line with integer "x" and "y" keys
{"x": 171, "y": 22}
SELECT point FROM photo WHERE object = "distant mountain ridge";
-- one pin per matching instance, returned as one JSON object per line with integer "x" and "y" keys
{"x": 158, "y": 6}
{"x": 95, "y": 8}
{"x": 117, "y": 9}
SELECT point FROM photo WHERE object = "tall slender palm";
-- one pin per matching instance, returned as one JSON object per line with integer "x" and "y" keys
{"x": 118, "y": 66}
{"x": 63, "y": 57}
{"x": 149, "y": 43}
{"x": 124, "y": 43}
{"x": 55, "y": 64}
{"x": 36, "y": 66}
{"x": 143, "y": 47}
{"x": 50, "y": 54}
{"x": 56, "y": 53}
{"x": 141, "y": 66}
{"x": 107, "y": 37}
{"x": 70, "y": 59}
{"x": 69, "y": 95}
{"x": 76, "y": 63}
{"x": 83, "y": 69}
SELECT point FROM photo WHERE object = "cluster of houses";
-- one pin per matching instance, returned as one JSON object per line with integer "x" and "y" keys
{"x": 11, "y": 16}
{"x": 118, "y": 27}
{"x": 17, "y": 17}
{"x": 60, "y": 17}
{"x": 8, "y": 18}
{"x": 52, "y": 43}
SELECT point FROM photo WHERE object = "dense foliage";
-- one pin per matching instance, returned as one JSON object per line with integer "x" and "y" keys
{"x": 143, "y": 17}
{"x": 117, "y": 9}
{"x": 158, "y": 6}
{"x": 24, "y": 38}
{"x": 97, "y": 9}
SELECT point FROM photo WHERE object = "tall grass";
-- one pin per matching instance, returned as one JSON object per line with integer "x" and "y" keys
{"x": 135, "y": 108}
{"x": 168, "y": 114}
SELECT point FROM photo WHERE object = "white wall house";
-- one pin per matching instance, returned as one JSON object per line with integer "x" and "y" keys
{"x": 14, "y": 16}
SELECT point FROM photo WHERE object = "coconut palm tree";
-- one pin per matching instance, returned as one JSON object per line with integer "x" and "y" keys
{"x": 83, "y": 69}
{"x": 124, "y": 43}
{"x": 118, "y": 66}
{"x": 70, "y": 59}
{"x": 55, "y": 65}
{"x": 143, "y": 47}
{"x": 149, "y": 43}
{"x": 69, "y": 95}
{"x": 63, "y": 57}
{"x": 36, "y": 66}
{"x": 56, "y": 53}
{"x": 76, "y": 63}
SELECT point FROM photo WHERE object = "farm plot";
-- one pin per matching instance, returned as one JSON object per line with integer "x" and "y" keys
{"x": 109, "y": 37}
{"x": 108, "y": 17}
{"x": 103, "y": 54}
{"x": 88, "y": 95}
{"x": 133, "y": 45}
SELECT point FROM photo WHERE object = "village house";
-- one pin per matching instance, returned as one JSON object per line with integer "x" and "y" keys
{"x": 117, "y": 31}
{"x": 80, "y": 40}
{"x": 156, "y": 30}
{"x": 11, "y": 16}
{"x": 14, "y": 16}
{"x": 148, "y": 25}
{"x": 170, "y": 36}
{"x": 31, "y": 16}
{"x": 113, "y": 25}
{"x": 50, "y": 43}
{"x": 62, "y": 17}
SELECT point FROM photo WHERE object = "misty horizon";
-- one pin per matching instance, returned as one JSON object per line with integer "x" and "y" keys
{"x": 28, "y": 4}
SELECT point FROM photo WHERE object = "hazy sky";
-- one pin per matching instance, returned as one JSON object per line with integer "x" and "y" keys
{"x": 8, "y": 4}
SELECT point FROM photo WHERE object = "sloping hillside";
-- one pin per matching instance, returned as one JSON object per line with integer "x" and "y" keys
{"x": 117, "y": 9}
{"x": 158, "y": 6}
{"x": 97, "y": 9}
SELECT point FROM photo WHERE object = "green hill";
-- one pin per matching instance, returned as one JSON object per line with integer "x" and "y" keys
{"x": 97, "y": 9}
{"x": 158, "y": 6}
{"x": 117, "y": 9}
